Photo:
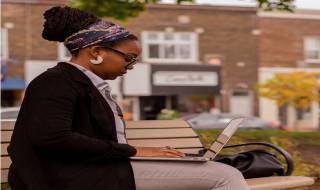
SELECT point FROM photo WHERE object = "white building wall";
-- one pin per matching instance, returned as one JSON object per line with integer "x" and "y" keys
{"x": 137, "y": 82}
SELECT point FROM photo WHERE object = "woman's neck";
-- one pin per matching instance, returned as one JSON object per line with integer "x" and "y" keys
{"x": 80, "y": 62}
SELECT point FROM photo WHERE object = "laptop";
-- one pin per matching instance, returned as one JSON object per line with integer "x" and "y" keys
{"x": 211, "y": 153}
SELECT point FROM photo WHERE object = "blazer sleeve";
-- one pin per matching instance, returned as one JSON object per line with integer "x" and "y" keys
{"x": 50, "y": 106}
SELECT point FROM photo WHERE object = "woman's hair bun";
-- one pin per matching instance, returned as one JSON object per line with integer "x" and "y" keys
{"x": 61, "y": 22}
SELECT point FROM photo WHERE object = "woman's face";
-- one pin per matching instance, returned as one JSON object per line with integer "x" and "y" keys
{"x": 117, "y": 60}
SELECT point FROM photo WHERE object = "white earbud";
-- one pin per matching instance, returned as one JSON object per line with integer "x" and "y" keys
{"x": 97, "y": 61}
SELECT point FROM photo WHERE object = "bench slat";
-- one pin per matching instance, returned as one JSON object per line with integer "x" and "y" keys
{"x": 6, "y": 136}
{"x": 5, "y": 162}
{"x": 175, "y": 143}
{"x": 4, "y": 176}
{"x": 145, "y": 124}
{"x": 160, "y": 133}
{"x": 4, "y": 149}
{"x": 279, "y": 182}
{"x": 7, "y": 124}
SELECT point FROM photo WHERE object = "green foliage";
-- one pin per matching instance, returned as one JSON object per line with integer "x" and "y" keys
{"x": 118, "y": 9}
{"x": 282, "y": 5}
{"x": 181, "y": 1}
{"x": 167, "y": 114}
{"x": 123, "y": 9}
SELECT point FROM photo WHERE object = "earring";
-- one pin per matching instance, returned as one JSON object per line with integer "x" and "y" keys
{"x": 96, "y": 61}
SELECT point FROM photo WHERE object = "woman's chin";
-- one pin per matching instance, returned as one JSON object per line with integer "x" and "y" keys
{"x": 114, "y": 76}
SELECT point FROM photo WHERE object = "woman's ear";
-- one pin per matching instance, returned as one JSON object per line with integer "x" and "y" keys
{"x": 94, "y": 51}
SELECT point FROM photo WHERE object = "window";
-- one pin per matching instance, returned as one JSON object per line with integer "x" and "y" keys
{"x": 4, "y": 44}
{"x": 4, "y": 53}
{"x": 63, "y": 53}
{"x": 170, "y": 47}
{"x": 312, "y": 49}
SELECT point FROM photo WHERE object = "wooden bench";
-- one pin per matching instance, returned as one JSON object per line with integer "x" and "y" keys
{"x": 160, "y": 133}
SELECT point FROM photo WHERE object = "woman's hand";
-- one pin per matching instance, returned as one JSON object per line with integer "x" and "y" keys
{"x": 158, "y": 152}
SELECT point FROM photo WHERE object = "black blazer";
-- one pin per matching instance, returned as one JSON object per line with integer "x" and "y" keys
{"x": 65, "y": 137}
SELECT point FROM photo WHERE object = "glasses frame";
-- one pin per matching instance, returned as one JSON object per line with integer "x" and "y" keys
{"x": 129, "y": 58}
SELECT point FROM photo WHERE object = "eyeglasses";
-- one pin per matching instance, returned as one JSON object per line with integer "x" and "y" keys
{"x": 128, "y": 57}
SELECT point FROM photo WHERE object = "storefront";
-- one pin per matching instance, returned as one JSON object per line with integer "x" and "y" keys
{"x": 12, "y": 91}
{"x": 188, "y": 88}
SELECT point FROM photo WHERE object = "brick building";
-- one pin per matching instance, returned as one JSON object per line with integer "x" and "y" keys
{"x": 195, "y": 57}
{"x": 225, "y": 36}
{"x": 289, "y": 42}
{"x": 21, "y": 25}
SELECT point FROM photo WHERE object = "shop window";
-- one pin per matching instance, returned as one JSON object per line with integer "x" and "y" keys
{"x": 170, "y": 47}
{"x": 304, "y": 114}
{"x": 312, "y": 49}
{"x": 4, "y": 52}
{"x": 63, "y": 53}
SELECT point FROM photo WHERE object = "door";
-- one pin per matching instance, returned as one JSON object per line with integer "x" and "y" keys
{"x": 241, "y": 103}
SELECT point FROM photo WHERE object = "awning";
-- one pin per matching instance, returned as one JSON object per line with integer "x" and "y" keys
{"x": 13, "y": 84}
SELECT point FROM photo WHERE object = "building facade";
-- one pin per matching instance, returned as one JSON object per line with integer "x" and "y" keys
{"x": 195, "y": 58}
{"x": 289, "y": 42}
{"x": 21, "y": 25}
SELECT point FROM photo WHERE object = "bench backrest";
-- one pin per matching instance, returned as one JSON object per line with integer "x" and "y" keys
{"x": 6, "y": 132}
{"x": 159, "y": 133}
{"x": 175, "y": 133}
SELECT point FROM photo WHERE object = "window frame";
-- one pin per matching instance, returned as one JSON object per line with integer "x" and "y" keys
{"x": 4, "y": 44}
{"x": 193, "y": 44}
{"x": 316, "y": 61}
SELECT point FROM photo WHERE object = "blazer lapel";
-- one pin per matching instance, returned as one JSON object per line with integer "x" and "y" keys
{"x": 99, "y": 108}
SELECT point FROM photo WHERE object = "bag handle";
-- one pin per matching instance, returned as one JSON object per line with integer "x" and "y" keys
{"x": 280, "y": 150}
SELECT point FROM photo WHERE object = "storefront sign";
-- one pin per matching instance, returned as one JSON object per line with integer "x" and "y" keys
{"x": 185, "y": 78}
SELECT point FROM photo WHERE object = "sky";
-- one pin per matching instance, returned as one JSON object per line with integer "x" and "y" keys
{"x": 301, "y": 4}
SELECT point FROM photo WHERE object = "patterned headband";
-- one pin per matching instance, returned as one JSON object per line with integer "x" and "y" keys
{"x": 101, "y": 31}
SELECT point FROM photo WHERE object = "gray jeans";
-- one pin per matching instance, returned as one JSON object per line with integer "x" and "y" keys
{"x": 159, "y": 175}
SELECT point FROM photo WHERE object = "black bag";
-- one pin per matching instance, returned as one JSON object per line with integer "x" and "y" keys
{"x": 258, "y": 163}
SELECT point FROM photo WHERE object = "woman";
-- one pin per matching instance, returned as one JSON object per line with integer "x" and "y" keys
{"x": 70, "y": 135}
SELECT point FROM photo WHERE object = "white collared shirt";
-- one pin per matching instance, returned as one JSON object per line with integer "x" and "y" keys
{"x": 105, "y": 91}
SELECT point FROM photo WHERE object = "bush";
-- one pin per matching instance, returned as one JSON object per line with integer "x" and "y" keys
{"x": 167, "y": 114}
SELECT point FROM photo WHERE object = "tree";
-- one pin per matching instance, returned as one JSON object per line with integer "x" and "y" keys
{"x": 282, "y": 5}
{"x": 299, "y": 89}
{"x": 123, "y": 9}
{"x": 118, "y": 9}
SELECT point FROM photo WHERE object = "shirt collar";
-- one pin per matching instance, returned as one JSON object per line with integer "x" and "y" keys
{"x": 95, "y": 79}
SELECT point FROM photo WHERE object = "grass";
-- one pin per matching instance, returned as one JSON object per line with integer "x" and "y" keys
{"x": 303, "y": 146}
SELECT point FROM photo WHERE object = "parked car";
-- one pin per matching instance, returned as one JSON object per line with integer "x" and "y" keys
{"x": 220, "y": 121}
{"x": 9, "y": 112}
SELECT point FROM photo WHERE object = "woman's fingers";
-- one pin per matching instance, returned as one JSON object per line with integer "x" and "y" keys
{"x": 158, "y": 152}
{"x": 173, "y": 152}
